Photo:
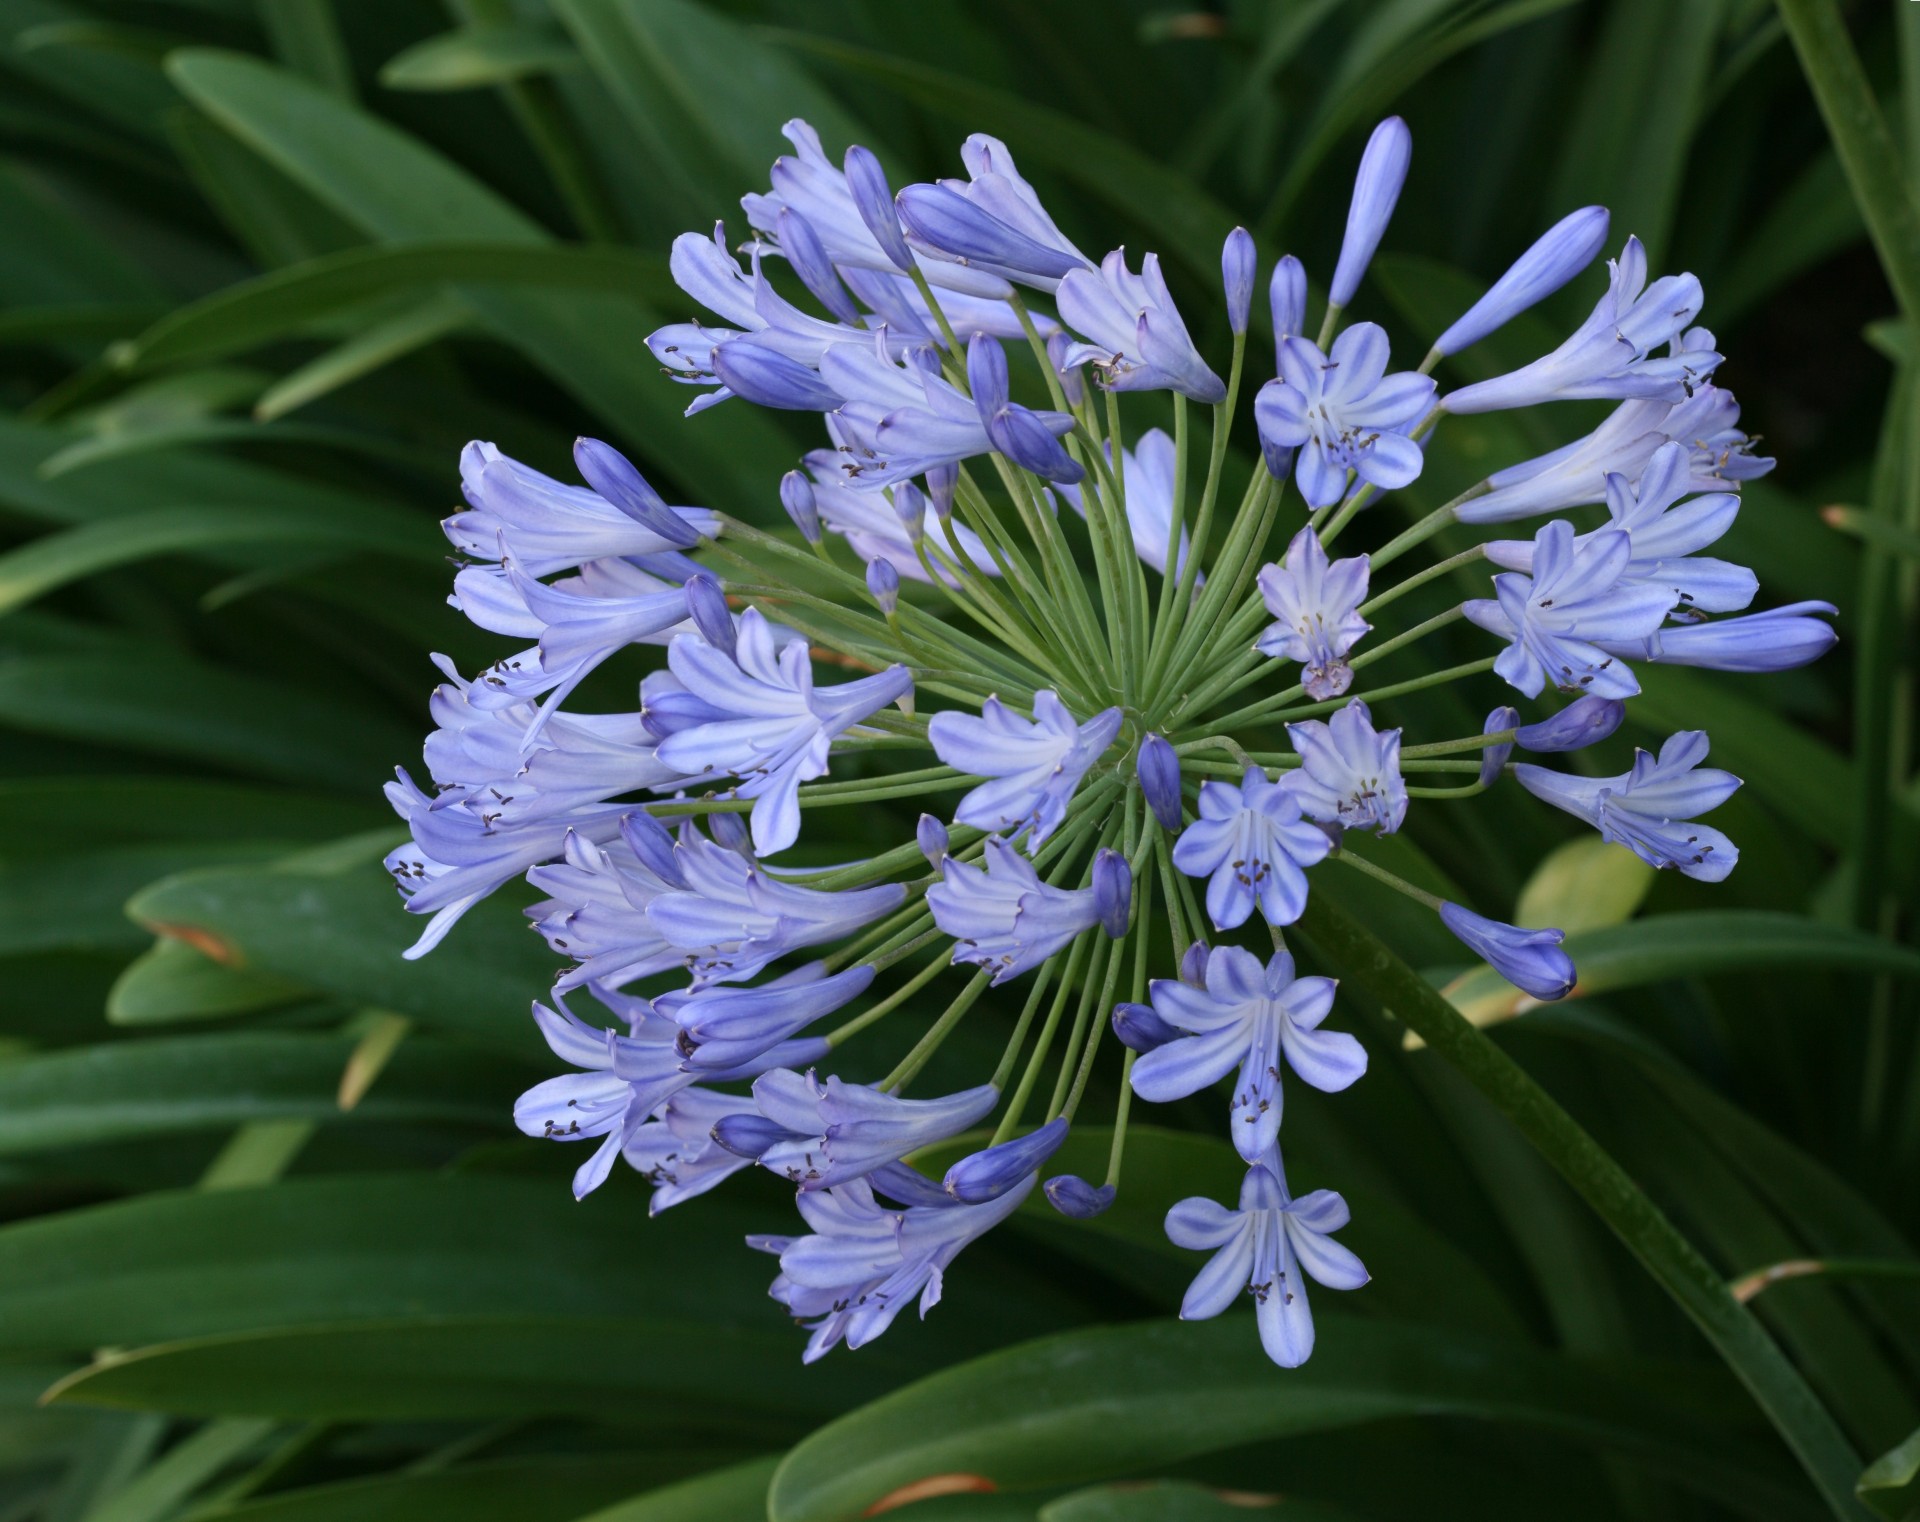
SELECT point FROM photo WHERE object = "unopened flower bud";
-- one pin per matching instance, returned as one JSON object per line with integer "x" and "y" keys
{"x": 1159, "y": 772}
{"x": 1077, "y": 1198}
{"x": 873, "y": 200}
{"x": 1531, "y": 960}
{"x": 796, "y": 496}
{"x": 1238, "y": 266}
{"x": 707, "y": 605}
{"x": 991, "y": 1173}
{"x": 931, "y": 836}
{"x": 1140, "y": 1029}
{"x": 1585, "y": 721}
{"x": 883, "y": 581}
{"x": 1113, "y": 891}
{"x": 1376, "y": 189}
{"x": 1494, "y": 757}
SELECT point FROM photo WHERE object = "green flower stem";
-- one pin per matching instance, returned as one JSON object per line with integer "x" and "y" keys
{"x": 825, "y": 795}
{"x": 893, "y": 1001}
{"x": 927, "y": 1045}
{"x": 1177, "y": 519}
{"x": 898, "y": 928}
{"x": 968, "y": 844}
{"x": 1381, "y": 874}
{"x": 1096, "y": 995}
{"x": 1121, "y": 1111}
{"x": 978, "y": 514}
{"x": 1778, "y": 1387}
{"x": 1042, "y": 981}
{"x": 1468, "y": 791}
{"x": 1328, "y": 325}
{"x": 1250, "y": 529}
{"x": 1105, "y": 562}
{"x": 1080, "y": 624}
{"x": 1088, "y": 943}
{"x": 1424, "y": 529}
{"x": 984, "y": 604}
{"x": 1439, "y": 766}
{"x": 1420, "y": 578}
{"x": 1176, "y": 914}
{"x": 954, "y": 347}
{"x": 1276, "y": 708}
{"x": 1447, "y": 747}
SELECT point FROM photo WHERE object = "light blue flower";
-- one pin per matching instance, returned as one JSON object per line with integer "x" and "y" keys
{"x": 722, "y": 1026}
{"x": 1349, "y": 773}
{"x": 991, "y": 222}
{"x": 1036, "y": 764}
{"x": 1559, "y": 621}
{"x": 1611, "y": 354}
{"x": 1030, "y": 439}
{"x": 1251, "y": 843}
{"x": 757, "y": 716}
{"x": 1132, "y": 332}
{"x": 1650, "y": 810}
{"x": 823, "y": 1134}
{"x": 1317, "y": 604}
{"x": 677, "y": 1153}
{"x": 1239, "y": 267}
{"x": 863, "y": 1263}
{"x": 1246, "y": 1017}
{"x": 1004, "y": 919}
{"x": 541, "y": 525}
{"x": 1531, "y": 960}
{"x": 1775, "y": 640}
{"x": 1663, "y": 534}
{"x": 874, "y": 531}
{"x": 1559, "y": 254}
{"x": 1342, "y": 412}
{"x": 595, "y": 913}
{"x": 1158, "y": 768}
{"x": 1376, "y": 190}
{"x": 1269, "y": 1247}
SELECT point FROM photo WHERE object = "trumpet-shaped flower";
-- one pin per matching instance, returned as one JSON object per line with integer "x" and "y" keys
{"x": 1316, "y": 603}
{"x": 822, "y": 1134}
{"x": 1269, "y": 1247}
{"x": 1004, "y": 919}
{"x": 992, "y": 221}
{"x": 1341, "y": 412}
{"x": 1251, "y": 843}
{"x": 1036, "y": 764}
{"x": 1132, "y": 332}
{"x": 1652, "y": 808}
{"x": 1531, "y": 960}
{"x": 1349, "y": 773}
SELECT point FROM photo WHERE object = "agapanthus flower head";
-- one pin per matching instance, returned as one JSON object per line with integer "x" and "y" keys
{"x": 1316, "y": 603}
{"x": 1341, "y": 414}
{"x": 1349, "y": 773}
{"x": 1036, "y": 764}
{"x": 658, "y": 839}
{"x": 1652, "y": 810}
{"x": 1269, "y": 1247}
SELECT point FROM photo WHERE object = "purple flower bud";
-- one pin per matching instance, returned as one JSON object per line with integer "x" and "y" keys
{"x": 987, "y": 374}
{"x": 1018, "y": 433}
{"x": 946, "y": 220}
{"x": 732, "y": 832}
{"x": 1383, "y": 170}
{"x": 611, "y": 474}
{"x": 1531, "y": 960}
{"x": 910, "y": 507}
{"x": 1193, "y": 966}
{"x": 1583, "y": 722}
{"x": 1287, "y": 295}
{"x": 757, "y": 373}
{"x": 1239, "y": 264}
{"x": 1140, "y": 1029}
{"x": 989, "y": 1174}
{"x": 1159, "y": 771}
{"x": 931, "y": 836}
{"x": 883, "y": 581}
{"x": 748, "y": 1135}
{"x": 1072, "y": 381}
{"x": 1494, "y": 757}
{"x": 802, "y": 246}
{"x": 873, "y": 200}
{"x": 1112, "y": 891}
{"x": 708, "y": 605}
{"x": 1564, "y": 250}
{"x": 796, "y": 496}
{"x": 1077, "y": 1198}
{"x": 942, "y": 481}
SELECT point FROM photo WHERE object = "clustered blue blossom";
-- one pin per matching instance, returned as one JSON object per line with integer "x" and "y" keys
{"x": 1137, "y": 729}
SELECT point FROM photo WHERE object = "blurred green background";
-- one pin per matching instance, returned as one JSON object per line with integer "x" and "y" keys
{"x": 270, "y": 1240}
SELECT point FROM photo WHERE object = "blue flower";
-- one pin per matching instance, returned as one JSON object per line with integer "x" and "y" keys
{"x": 1775, "y": 640}
{"x": 1376, "y": 190}
{"x": 863, "y": 1263}
{"x": 991, "y": 1172}
{"x": 1158, "y": 769}
{"x": 1650, "y": 809}
{"x": 1239, "y": 265}
{"x": 1560, "y": 620}
{"x": 1583, "y": 722}
{"x": 1005, "y": 919}
{"x": 1287, "y": 298}
{"x": 1135, "y": 339}
{"x": 1663, "y": 537}
{"x": 1251, "y": 842}
{"x": 1270, "y": 1246}
{"x": 1247, "y": 1016}
{"x": 542, "y": 525}
{"x": 1611, "y": 354}
{"x": 1559, "y": 254}
{"x": 677, "y": 1153}
{"x": 596, "y": 913}
{"x": 757, "y": 715}
{"x": 1531, "y": 960}
{"x": 1077, "y": 1199}
{"x": 1030, "y": 439}
{"x": 1342, "y": 412}
{"x": 1720, "y": 455}
{"x": 1494, "y": 758}
{"x": 1147, "y": 479}
{"x": 1036, "y": 764}
{"x": 1349, "y": 773}
{"x": 992, "y": 221}
{"x": 875, "y": 532}
{"x": 722, "y": 1026}
{"x": 820, "y": 1135}
{"x": 1317, "y": 604}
